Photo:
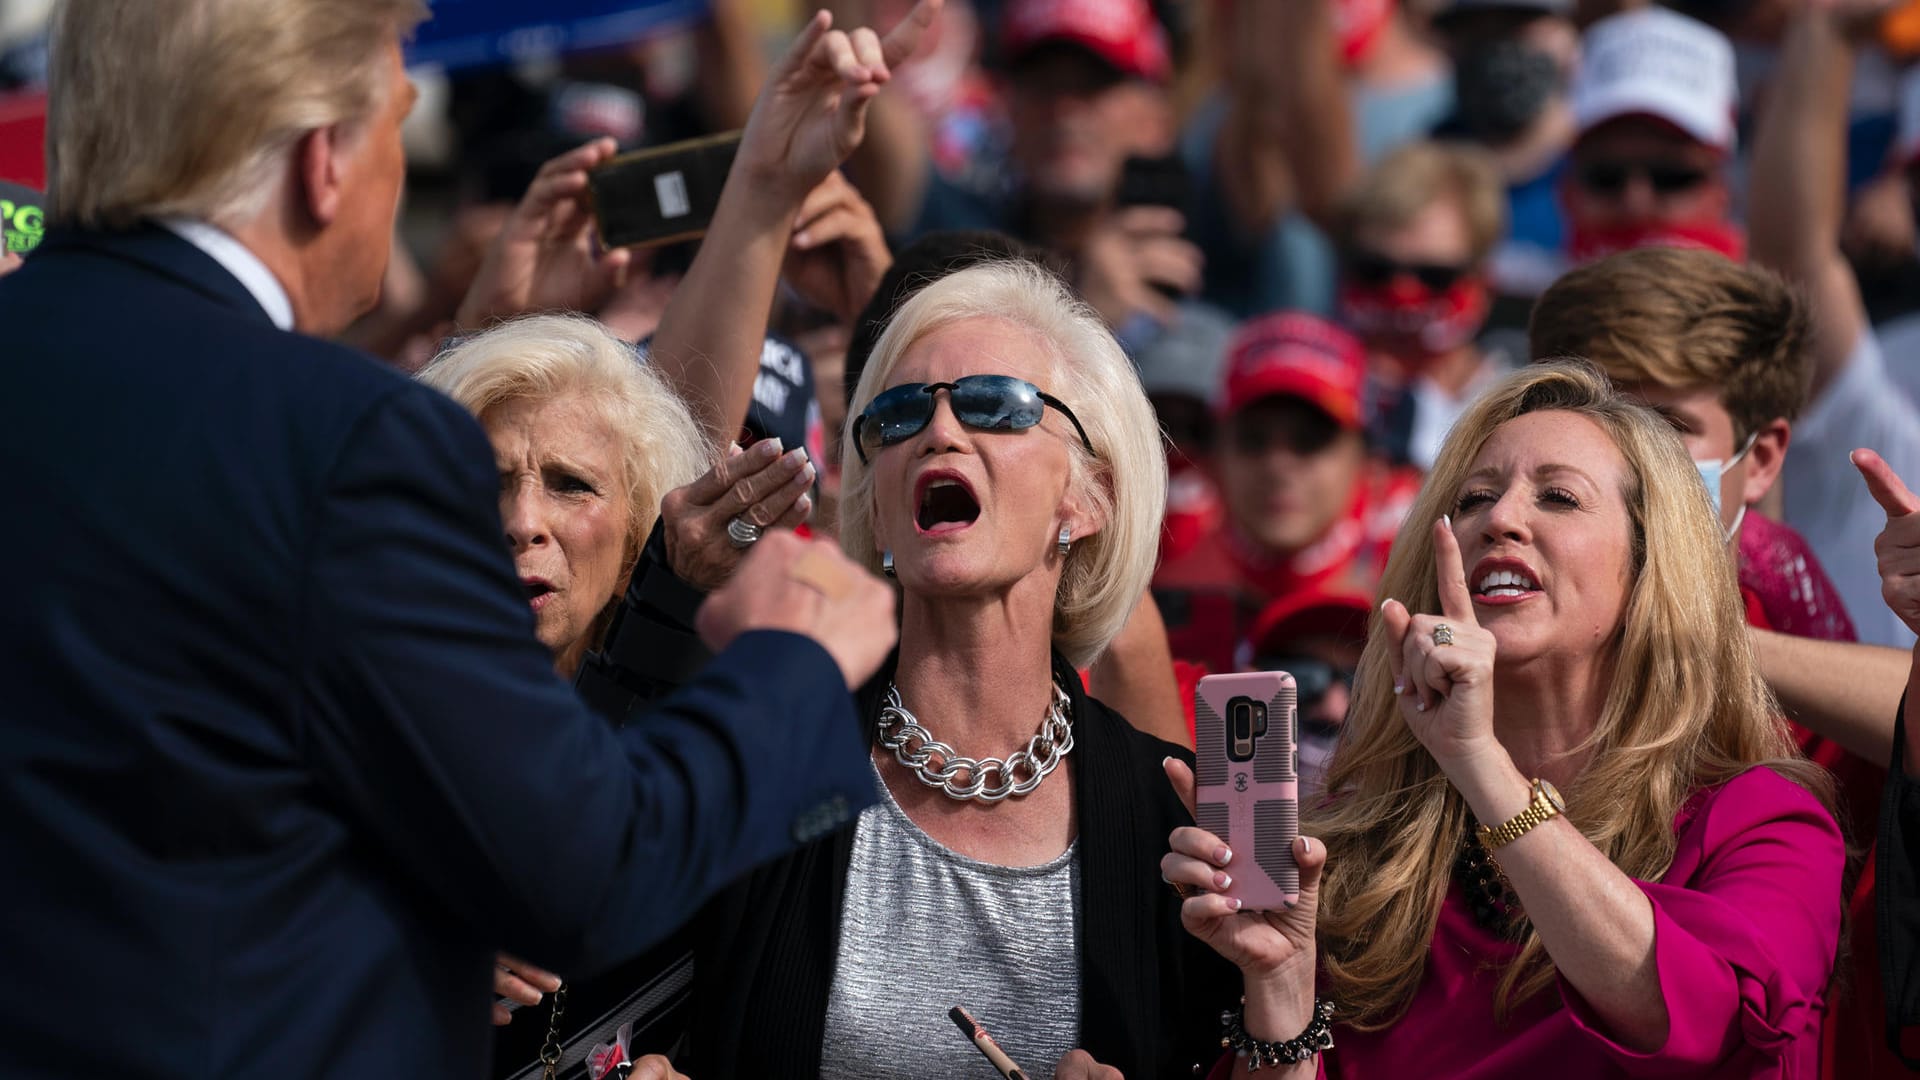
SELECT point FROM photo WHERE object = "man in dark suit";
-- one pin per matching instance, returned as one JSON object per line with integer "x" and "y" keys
{"x": 281, "y": 762}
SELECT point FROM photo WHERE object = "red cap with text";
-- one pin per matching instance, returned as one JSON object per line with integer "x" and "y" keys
{"x": 1658, "y": 63}
{"x": 1293, "y": 354}
{"x": 1123, "y": 33}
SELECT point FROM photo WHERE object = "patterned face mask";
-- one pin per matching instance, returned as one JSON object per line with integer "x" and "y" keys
{"x": 1502, "y": 86}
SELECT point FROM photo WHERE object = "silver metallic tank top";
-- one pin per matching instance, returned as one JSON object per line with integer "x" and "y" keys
{"x": 924, "y": 928}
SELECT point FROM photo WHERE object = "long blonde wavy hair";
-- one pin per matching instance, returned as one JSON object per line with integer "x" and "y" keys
{"x": 1686, "y": 708}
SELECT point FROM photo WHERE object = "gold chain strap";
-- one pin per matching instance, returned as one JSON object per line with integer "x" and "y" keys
{"x": 550, "y": 1050}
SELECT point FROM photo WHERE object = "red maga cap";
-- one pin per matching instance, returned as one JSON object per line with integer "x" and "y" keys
{"x": 1124, "y": 33}
{"x": 1293, "y": 354}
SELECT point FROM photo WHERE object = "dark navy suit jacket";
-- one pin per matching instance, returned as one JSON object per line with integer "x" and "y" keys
{"x": 281, "y": 763}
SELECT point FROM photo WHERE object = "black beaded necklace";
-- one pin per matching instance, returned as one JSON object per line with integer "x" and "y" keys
{"x": 1490, "y": 898}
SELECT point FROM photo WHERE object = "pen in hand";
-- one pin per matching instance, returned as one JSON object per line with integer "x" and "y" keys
{"x": 971, "y": 1029}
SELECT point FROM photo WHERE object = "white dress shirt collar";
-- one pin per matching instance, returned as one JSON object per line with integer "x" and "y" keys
{"x": 240, "y": 262}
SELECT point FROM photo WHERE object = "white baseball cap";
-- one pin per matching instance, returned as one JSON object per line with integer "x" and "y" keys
{"x": 1657, "y": 62}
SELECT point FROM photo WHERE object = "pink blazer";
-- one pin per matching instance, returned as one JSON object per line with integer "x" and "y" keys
{"x": 1746, "y": 924}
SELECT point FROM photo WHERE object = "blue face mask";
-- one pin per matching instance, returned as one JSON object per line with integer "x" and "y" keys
{"x": 1710, "y": 473}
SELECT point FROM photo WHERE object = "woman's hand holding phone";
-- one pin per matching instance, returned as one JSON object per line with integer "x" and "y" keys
{"x": 544, "y": 257}
{"x": 1274, "y": 950}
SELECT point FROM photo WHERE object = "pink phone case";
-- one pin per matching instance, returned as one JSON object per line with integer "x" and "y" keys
{"x": 1253, "y": 804}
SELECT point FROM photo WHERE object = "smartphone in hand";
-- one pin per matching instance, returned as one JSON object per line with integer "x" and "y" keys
{"x": 1247, "y": 780}
{"x": 663, "y": 194}
{"x": 1153, "y": 181}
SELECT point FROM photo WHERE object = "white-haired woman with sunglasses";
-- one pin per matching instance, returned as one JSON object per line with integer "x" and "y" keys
{"x": 1006, "y": 471}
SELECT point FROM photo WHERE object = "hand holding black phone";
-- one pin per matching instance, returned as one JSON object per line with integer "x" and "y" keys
{"x": 661, "y": 195}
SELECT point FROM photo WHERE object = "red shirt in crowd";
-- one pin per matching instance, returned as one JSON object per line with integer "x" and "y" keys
{"x": 1786, "y": 590}
{"x": 1355, "y": 547}
{"x": 1212, "y": 585}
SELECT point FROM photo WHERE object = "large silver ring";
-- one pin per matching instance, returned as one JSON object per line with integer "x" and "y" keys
{"x": 743, "y": 533}
{"x": 1442, "y": 634}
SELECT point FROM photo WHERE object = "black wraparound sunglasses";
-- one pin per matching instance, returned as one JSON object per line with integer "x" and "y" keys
{"x": 987, "y": 402}
{"x": 1370, "y": 268}
{"x": 1665, "y": 177}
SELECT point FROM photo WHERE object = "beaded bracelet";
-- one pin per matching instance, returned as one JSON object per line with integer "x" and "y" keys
{"x": 1317, "y": 1037}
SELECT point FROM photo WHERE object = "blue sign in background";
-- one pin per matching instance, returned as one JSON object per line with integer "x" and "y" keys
{"x": 465, "y": 33}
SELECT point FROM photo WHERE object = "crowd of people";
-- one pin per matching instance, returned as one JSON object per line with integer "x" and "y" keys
{"x": 720, "y": 657}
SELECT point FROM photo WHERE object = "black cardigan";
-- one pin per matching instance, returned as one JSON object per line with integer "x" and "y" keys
{"x": 1150, "y": 993}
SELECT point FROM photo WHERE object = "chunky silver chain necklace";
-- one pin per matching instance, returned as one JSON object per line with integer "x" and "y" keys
{"x": 988, "y": 779}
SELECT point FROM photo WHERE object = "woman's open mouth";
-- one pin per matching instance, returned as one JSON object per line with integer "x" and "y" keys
{"x": 539, "y": 591}
{"x": 944, "y": 504}
{"x": 1503, "y": 581}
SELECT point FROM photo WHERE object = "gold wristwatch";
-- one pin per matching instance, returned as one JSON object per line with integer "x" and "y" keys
{"x": 1546, "y": 803}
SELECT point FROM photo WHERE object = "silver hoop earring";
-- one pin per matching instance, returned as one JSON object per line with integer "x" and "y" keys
{"x": 886, "y": 562}
{"x": 1066, "y": 540}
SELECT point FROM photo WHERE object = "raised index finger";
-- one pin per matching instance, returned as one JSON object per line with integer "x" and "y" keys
{"x": 1884, "y": 484}
{"x": 902, "y": 40}
{"x": 1456, "y": 600}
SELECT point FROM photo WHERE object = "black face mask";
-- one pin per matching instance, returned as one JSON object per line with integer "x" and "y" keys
{"x": 1501, "y": 86}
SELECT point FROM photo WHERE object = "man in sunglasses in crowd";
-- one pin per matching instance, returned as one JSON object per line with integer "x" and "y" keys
{"x": 1654, "y": 103}
{"x": 1306, "y": 502}
{"x": 1414, "y": 239}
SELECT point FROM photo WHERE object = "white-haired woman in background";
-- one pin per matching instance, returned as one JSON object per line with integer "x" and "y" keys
{"x": 590, "y": 442}
{"x": 1005, "y": 468}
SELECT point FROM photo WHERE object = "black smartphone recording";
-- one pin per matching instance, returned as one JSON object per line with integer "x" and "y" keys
{"x": 1153, "y": 181}
{"x": 661, "y": 195}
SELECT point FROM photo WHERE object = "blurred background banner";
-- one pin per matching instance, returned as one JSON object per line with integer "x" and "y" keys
{"x": 469, "y": 33}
